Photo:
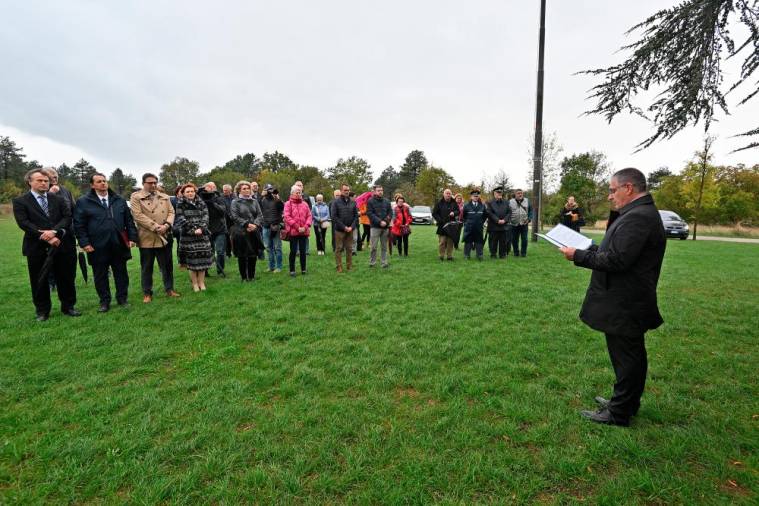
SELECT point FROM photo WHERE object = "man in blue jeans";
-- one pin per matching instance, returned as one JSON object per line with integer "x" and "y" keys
{"x": 271, "y": 210}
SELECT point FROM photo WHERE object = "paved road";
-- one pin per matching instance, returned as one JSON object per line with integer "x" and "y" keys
{"x": 701, "y": 237}
{"x": 726, "y": 239}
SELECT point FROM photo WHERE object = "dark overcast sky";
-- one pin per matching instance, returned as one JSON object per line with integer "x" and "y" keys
{"x": 134, "y": 84}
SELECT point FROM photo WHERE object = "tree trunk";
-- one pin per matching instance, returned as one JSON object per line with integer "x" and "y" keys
{"x": 704, "y": 155}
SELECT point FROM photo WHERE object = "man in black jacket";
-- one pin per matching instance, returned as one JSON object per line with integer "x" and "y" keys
{"x": 445, "y": 211}
{"x": 106, "y": 232}
{"x": 344, "y": 214}
{"x": 474, "y": 219}
{"x": 380, "y": 214}
{"x": 217, "y": 223}
{"x": 499, "y": 224}
{"x": 46, "y": 221}
{"x": 621, "y": 297}
{"x": 272, "y": 208}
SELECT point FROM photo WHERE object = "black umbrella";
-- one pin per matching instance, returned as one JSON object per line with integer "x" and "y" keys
{"x": 453, "y": 230}
{"x": 43, "y": 282}
{"x": 83, "y": 265}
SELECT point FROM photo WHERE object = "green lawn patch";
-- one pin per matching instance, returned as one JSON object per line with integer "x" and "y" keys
{"x": 453, "y": 382}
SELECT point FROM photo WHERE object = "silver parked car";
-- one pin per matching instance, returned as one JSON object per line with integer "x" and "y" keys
{"x": 422, "y": 215}
{"x": 674, "y": 226}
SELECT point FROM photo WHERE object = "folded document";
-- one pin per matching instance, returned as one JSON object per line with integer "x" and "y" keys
{"x": 564, "y": 236}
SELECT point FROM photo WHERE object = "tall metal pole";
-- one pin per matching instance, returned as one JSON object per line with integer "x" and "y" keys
{"x": 537, "y": 157}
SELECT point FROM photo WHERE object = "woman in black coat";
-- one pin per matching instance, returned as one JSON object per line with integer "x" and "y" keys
{"x": 247, "y": 221}
{"x": 571, "y": 215}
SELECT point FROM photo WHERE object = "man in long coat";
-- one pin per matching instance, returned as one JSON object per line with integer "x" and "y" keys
{"x": 475, "y": 215}
{"x": 621, "y": 298}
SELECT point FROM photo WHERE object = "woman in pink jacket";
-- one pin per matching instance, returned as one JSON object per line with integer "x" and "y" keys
{"x": 298, "y": 226}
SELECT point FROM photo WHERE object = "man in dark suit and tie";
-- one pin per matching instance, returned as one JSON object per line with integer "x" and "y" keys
{"x": 106, "y": 232}
{"x": 621, "y": 298}
{"x": 46, "y": 221}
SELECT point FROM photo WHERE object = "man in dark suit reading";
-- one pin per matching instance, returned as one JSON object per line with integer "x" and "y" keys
{"x": 621, "y": 298}
{"x": 45, "y": 219}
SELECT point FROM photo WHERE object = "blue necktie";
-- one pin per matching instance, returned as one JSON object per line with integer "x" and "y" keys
{"x": 43, "y": 204}
{"x": 105, "y": 203}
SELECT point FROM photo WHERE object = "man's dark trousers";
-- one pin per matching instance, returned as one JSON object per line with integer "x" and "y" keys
{"x": 64, "y": 271}
{"x": 630, "y": 362}
{"x": 498, "y": 241}
{"x": 114, "y": 260}
{"x": 519, "y": 232}
{"x": 165, "y": 264}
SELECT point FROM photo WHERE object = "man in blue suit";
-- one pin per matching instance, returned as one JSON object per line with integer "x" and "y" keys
{"x": 106, "y": 232}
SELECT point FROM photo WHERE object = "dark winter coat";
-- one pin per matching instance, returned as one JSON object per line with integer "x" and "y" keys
{"x": 245, "y": 212}
{"x": 498, "y": 210}
{"x": 106, "y": 230}
{"x": 217, "y": 211}
{"x": 344, "y": 213}
{"x": 379, "y": 210}
{"x": 567, "y": 217}
{"x": 271, "y": 210}
{"x": 621, "y": 297}
{"x": 442, "y": 213}
{"x": 474, "y": 220}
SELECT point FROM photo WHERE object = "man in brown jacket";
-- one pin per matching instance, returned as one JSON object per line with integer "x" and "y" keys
{"x": 154, "y": 216}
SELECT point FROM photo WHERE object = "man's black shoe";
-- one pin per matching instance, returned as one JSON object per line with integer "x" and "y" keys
{"x": 605, "y": 417}
{"x": 221, "y": 274}
{"x": 42, "y": 317}
{"x": 602, "y": 403}
{"x": 104, "y": 308}
{"x": 71, "y": 312}
{"x": 124, "y": 304}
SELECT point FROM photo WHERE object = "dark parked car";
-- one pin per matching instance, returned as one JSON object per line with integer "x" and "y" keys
{"x": 674, "y": 226}
{"x": 422, "y": 215}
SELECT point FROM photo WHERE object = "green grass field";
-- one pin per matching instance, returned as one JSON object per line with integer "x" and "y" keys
{"x": 456, "y": 382}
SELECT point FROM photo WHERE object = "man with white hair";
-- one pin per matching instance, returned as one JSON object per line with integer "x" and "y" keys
{"x": 445, "y": 211}
{"x": 58, "y": 189}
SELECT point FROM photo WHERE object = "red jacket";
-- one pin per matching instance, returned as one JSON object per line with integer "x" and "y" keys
{"x": 402, "y": 216}
{"x": 297, "y": 214}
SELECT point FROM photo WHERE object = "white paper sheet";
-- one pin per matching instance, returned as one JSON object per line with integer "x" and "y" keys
{"x": 561, "y": 236}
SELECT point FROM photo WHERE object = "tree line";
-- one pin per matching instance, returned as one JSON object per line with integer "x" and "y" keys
{"x": 729, "y": 194}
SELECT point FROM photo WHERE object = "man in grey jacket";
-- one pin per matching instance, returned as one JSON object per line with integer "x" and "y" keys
{"x": 521, "y": 211}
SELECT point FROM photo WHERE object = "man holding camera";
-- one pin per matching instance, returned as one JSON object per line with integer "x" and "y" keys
{"x": 271, "y": 210}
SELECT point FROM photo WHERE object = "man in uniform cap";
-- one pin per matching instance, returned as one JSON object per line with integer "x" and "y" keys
{"x": 474, "y": 219}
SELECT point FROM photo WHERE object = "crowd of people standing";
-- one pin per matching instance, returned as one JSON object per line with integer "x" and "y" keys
{"x": 209, "y": 226}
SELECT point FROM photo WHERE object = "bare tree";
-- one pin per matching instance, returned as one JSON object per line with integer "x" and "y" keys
{"x": 552, "y": 154}
{"x": 704, "y": 157}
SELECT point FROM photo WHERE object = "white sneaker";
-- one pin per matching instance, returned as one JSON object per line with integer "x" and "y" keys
{"x": 277, "y": 270}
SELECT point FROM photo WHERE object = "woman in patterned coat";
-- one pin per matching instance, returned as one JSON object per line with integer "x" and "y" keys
{"x": 195, "y": 241}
